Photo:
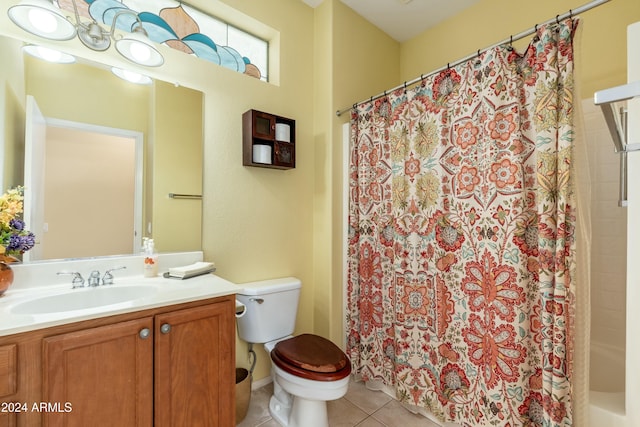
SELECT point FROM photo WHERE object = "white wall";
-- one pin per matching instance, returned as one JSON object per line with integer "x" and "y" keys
{"x": 633, "y": 236}
{"x": 609, "y": 233}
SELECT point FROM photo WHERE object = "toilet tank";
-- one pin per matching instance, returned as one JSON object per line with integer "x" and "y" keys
{"x": 271, "y": 308}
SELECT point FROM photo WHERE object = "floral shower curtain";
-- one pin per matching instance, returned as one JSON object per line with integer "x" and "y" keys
{"x": 461, "y": 246}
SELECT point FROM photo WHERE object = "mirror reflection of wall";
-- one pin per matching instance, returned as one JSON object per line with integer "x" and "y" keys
{"x": 12, "y": 102}
{"x": 89, "y": 188}
{"x": 169, "y": 117}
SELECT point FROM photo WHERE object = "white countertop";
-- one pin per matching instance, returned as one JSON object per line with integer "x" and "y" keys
{"x": 163, "y": 292}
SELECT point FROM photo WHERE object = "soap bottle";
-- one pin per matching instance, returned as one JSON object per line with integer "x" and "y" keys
{"x": 150, "y": 258}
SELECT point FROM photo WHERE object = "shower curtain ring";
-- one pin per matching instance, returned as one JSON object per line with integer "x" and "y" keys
{"x": 570, "y": 13}
{"x": 557, "y": 19}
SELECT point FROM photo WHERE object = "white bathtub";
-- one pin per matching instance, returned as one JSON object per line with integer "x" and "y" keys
{"x": 606, "y": 378}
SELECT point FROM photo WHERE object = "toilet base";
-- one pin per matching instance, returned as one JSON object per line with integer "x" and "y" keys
{"x": 300, "y": 402}
{"x": 301, "y": 412}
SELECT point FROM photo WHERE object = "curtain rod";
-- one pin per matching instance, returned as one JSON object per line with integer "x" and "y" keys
{"x": 511, "y": 39}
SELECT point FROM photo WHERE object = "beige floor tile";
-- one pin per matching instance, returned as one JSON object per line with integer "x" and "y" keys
{"x": 359, "y": 408}
{"x": 371, "y": 422}
{"x": 367, "y": 400}
{"x": 394, "y": 415}
{"x": 343, "y": 413}
{"x": 258, "y": 412}
{"x": 269, "y": 423}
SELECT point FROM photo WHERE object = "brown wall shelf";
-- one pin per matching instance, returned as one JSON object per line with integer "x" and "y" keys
{"x": 268, "y": 140}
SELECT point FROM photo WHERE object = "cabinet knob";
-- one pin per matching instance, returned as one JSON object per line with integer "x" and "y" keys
{"x": 165, "y": 328}
{"x": 144, "y": 333}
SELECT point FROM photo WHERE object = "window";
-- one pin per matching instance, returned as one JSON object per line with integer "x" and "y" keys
{"x": 182, "y": 27}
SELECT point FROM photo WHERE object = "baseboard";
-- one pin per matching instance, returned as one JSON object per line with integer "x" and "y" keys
{"x": 261, "y": 382}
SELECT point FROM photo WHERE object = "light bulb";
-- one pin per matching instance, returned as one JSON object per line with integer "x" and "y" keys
{"x": 49, "y": 54}
{"x": 140, "y": 51}
{"x": 131, "y": 76}
{"x": 43, "y": 20}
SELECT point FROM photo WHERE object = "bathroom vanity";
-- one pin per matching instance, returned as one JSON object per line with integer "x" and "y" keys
{"x": 162, "y": 359}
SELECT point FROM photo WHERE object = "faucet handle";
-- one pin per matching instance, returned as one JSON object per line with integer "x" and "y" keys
{"x": 107, "y": 279}
{"x": 77, "y": 281}
{"x": 94, "y": 278}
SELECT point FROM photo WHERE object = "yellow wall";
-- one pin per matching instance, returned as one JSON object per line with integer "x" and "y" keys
{"x": 601, "y": 48}
{"x": 257, "y": 223}
{"x": 177, "y": 167}
{"x": 352, "y": 59}
{"x": 86, "y": 94}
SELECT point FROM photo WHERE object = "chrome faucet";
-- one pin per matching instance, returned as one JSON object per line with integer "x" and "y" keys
{"x": 107, "y": 279}
{"x": 77, "y": 281}
{"x": 94, "y": 279}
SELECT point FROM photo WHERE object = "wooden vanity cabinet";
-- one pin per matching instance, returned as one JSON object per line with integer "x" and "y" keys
{"x": 99, "y": 375}
{"x": 8, "y": 382}
{"x": 170, "y": 366}
{"x": 20, "y": 376}
{"x": 192, "y": 366}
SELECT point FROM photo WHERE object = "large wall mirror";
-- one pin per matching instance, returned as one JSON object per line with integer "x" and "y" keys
{"x": 102, "y": 158}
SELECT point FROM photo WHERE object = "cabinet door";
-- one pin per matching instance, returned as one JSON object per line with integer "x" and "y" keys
{"x": 284, "y": 154}
{"x": 100, "y": 377}
{"x": 264, "y": 125}
{"x": 8, "y": 383}
{"x": 194, "y": 363}
{"x": 8, "y": 419}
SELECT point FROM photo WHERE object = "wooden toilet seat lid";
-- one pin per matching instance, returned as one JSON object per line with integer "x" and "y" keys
{"x": 312, "y": 354}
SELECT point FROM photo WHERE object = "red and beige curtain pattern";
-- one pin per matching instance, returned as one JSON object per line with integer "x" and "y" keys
{"x": 461, "y": 243}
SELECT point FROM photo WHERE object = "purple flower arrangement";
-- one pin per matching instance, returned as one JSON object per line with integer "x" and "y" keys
{"x": 14, "y": 238}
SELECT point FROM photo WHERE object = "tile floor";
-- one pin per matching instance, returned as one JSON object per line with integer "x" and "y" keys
{"x": 360, "y": 407}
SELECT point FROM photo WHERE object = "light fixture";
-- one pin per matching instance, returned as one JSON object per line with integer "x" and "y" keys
{"x": 41, "y": 18}
{"x": 50, "y": 55}
{"x": 137, "y": 48}
{"x": 131, "y": 76}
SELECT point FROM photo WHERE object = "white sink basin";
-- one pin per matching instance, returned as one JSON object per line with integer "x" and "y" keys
{"x": 82, "y": 299}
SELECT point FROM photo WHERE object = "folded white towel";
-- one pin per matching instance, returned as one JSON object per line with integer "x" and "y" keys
{"x": 195, "y": 269}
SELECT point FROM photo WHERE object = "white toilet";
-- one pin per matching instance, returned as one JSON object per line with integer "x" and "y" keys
{"x": 307, "y": 370}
